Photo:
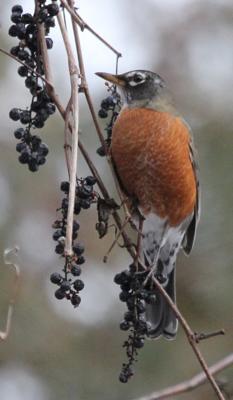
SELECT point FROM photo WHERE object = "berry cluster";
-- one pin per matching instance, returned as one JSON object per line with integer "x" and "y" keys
{"x": 32, "y": 151}
{"x": 135, "y": 295}
{"x": 111, "y": 105}
{"x": 69, "y": 285}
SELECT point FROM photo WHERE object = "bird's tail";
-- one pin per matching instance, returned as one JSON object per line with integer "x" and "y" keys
{"x": 160, "y": 315}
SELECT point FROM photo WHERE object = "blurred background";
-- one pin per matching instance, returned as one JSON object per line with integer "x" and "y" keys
{"x": 54, "y": 351}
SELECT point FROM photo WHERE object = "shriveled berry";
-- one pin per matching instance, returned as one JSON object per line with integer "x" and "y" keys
{"x": 55, "y": 278}
{"x": 78, "y": 285}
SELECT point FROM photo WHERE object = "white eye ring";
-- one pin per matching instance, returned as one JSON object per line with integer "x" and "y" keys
{"x": 137, "y": 79}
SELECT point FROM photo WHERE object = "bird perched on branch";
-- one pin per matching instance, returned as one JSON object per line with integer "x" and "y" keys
{"x": 153, "y": 153}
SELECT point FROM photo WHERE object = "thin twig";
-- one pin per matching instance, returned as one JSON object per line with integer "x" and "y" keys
{"x": 25, "y": 65}
{"x": 8, "y": 252}
{"x": 83, "y": 25}
{"x": 190, "y": 384}
{"x": 73, "y": 114}
{"x": 203, "y": 336}
{"x": 191, "y": 338}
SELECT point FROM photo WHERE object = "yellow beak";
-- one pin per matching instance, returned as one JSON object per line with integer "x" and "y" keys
{"x": 116, "y": 79}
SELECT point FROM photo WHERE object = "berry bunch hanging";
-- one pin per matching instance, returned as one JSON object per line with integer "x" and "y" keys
{"x": 32, "y": 150}
{"x": 69, "y": 285}
{"x": 110, "y": 107}
{"x": 135, "y": 294}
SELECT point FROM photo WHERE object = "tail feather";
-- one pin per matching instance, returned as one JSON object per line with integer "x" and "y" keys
{"x": 160, "y": 315}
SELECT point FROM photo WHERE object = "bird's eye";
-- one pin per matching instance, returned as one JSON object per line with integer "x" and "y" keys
{"x": 137, "y": 78}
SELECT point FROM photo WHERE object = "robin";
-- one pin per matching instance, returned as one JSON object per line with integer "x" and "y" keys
{"x": 154, "y": 156}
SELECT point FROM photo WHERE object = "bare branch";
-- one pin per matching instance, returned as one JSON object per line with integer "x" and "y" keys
{"x": 72, "y": 113}
{"x": 190, "y": 384}
{"x": 8, "y": 253}
{"x": 83, "y": 25}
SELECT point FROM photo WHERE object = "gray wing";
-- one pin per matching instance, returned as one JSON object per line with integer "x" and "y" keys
{"x": 189, "y": 237}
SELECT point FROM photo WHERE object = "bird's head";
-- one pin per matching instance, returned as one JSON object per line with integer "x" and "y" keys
{"x": 138, "y": 87}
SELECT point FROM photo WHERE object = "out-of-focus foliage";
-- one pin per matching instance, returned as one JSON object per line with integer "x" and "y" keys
{"x": 56, "y": 352}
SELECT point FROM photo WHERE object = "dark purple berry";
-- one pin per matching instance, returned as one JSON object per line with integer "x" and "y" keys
{"x": 59, "y": 249}
{"x": 17, "y": 8}
{"x": 15, "y": 114}
{"x": 55, "y": 278}
{"x": 25, "y": 117}
{"x": 19, "y": 133}
{"x": 75, "y": 270}
{"x": 60, "y": 294}
{"x": 102, "y": 113}
{"x": 90, "y": 180}
{"x": 57, "y": 234}
{"x": 43, "y": 149}
{"x": 53, "y": 9}
{"x": 20, "y": 147}
{"x": 78, "y": 249}
{"x": 75, "y": 300}
{"x": 23, "y": 70}
{"x": 80, "y": 260}
{"x": 65, "y": 285}
{"x": 27, "y": 18}
{"x": 24, "y": 157}
{"x": 49, "y": 43}
{"x": 16, "y": 17}
{"x": 124, "y": 325}
{"x": 32, "y": 165}
{"x": 65, "y": 186}
{"x": 13, "y": 31}
{"x": 78, "y": 285}
{"x": 14, "y": 50}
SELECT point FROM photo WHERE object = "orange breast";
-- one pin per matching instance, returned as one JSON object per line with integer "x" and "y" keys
{"x": 151, "y": 152}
